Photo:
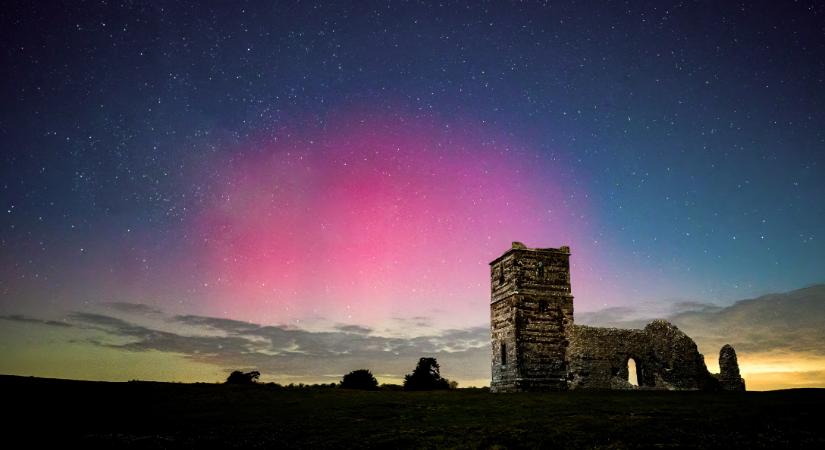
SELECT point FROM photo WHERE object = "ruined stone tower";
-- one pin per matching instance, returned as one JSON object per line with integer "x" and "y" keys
{"x": 531, "y": 311}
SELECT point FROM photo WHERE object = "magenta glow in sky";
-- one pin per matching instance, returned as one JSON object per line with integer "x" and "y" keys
{"x": 365, "y": 219}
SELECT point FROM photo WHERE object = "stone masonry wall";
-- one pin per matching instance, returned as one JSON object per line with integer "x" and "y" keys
{"x": 531, "y": 307}
{"x": 504, "y": 366}
{"x": 597, "y": 357}
{"x": 665, "y": 357}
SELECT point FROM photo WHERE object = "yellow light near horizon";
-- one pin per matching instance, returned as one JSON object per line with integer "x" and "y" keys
{"x": 631, "y": 372}
{"x": 781, "y": 362}
{"x": 782, "y": 370}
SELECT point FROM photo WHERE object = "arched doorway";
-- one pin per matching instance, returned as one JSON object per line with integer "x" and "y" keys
{"x": 632, "y": 373}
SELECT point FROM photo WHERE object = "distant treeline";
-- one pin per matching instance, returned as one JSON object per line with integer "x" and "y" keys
{"x": 425, "y": 377}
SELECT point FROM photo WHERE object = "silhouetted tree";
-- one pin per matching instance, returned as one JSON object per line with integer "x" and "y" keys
{"x": 425, "y": 377}
{"x": 359, "y": 379}
{"x": 238, "y": 377}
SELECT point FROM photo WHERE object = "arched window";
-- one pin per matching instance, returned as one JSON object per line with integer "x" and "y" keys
{"x": 501, "y": 275}
{"x": 632, "y": 374}
{"x": 503, "y": 354}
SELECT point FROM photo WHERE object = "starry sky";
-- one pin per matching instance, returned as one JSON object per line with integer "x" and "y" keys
{"x": 313, "y": 170}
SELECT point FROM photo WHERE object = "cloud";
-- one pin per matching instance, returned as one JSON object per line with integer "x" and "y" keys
{"x": 688, "y": 306}
{"x": 791, "y": 321}
{"x": 144, "y": 338}
{"x": 614, "y": 316}
{"x": 110, "y": 324}
{"x": 22, "y": 318}
{"x": 216, "y": 323}
{"x": 418, "y": 321}
{"x": 295, "y": 353}
{"x": 132, "y": 308}
{"x": 640, "y": 315}
{"x": 357, "y": 329}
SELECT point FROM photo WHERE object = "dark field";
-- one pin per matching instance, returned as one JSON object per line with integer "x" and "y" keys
{"x": 162, "y": 415}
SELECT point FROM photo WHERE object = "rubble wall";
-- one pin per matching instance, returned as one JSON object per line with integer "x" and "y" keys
{"x": 665, "y": 358}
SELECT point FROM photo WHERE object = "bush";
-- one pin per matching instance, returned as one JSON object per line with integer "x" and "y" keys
{"x": 425, "y": 377}
{"x": 359, "y": 379}
{"x": 238, "y": 377}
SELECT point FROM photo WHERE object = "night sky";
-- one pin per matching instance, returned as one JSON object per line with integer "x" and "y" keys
{"x": 316, "y": 170}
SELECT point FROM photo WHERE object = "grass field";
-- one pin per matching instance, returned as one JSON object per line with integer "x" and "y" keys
{"x": 167, "y": 415}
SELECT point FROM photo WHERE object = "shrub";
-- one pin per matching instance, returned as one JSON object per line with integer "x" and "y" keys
{"x": 359, "y": 379}
{"x": 425, "y": 377}
{"x": 238, "y": 377}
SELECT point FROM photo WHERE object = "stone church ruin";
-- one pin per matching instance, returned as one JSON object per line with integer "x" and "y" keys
{"x": 537, "y": 347}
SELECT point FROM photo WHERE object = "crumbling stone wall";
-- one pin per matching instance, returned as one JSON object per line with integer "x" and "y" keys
{"x": 597, "y": 357}
{"x": 536, "y": 346}
{"x": 665, "y": 358}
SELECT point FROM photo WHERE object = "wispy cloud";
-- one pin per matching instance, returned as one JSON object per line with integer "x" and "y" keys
{"x": 357, "y": 329}
{"x": 614, "y": 316}
{"x": 688, "y": 306}
{"x": 22, "y": 318}
{"x": 132, "y": 308}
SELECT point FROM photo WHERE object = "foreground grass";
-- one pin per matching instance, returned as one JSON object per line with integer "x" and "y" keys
{"x": 164, "y": 415}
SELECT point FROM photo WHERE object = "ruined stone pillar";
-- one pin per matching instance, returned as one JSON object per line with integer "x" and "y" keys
{"x": 729, "y": 377}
